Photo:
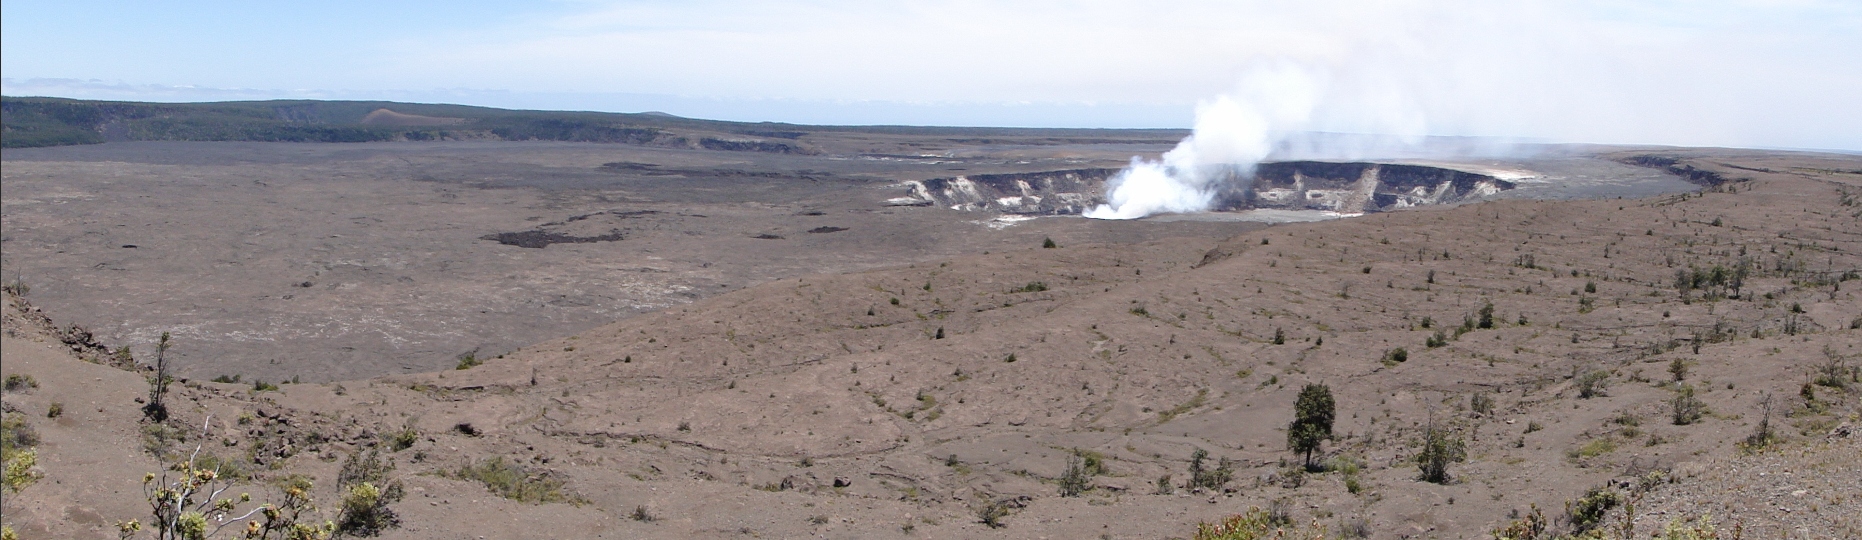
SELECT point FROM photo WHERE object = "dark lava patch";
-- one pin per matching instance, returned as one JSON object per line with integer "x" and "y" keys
{"x": 541, "y": 239}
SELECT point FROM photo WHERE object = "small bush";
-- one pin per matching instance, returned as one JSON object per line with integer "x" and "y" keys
{"x": 16, "y": 441}
{"x": 1594, "y": 384}
{"x": 513, "y": 481}
{"x": 233, "y": 379}
{"x": 1481, "y": 403}
{"x": 403, "y": 439}
{"x": 1257, "y": 524}
{"x": 1587, "y": 512}
{"x": 991, "y": 513}
{"x": 1531, "y": 527}
{"x": 1213, "y": 479}
{"x": 1437, "y": 340}
{"x": 1594, "y": 448}
{"x": 1075, "y": 481}
{"x": 640, "y": 514}
{"x": 17, "y": 382}
{"x": 262, "y": 386}
{"x": 1439, "y": 449}
{"x": 469, "y": 360}
{"x": 1048, "y": 243}
{"x": 1396, "y": 356}
{"x": 56, "y": 410}
{"x": 1686, "y": 409}
{"x": 1032, "y": 286}
{"x": 367, "y": 492}
{"x": 1678, "y": 368}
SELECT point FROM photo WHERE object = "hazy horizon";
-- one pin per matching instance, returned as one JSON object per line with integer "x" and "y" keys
{"x": 1730, "y": 73}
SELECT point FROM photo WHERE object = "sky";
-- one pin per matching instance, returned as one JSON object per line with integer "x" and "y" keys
{"x": 1749, "y": 73}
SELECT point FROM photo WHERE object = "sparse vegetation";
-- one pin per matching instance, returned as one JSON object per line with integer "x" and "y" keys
{"x": 1203, "y": 477}
{"x": 992, "y": 512}
{"x": 1481, "y": 403}
{"x": 1686, "y": 409}
{"x": 469, "y": 360}
{"x": 1762, "y": 435}
{"x": 403, "y": 439}
{"x": 17, "y": 439}
{"x": 1595, "y": 383}
{"x": 1440, "y": 448}
{"x": 1075, "y": 480}
{"x": 365, "y": 511}
{"x": 1257, "y": 524}
{"x": 513, "y": 481}
{"x": 1588, "y": 511}
{"x": 157, "y": 410}
{"x": 18, "y": 382}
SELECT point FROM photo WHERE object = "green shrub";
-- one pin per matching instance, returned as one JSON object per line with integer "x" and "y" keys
{"x": 1439, "y": 449}
{"x": 17, "y": 382}
{"x": 1594, "y": 448}
{"x": 992, "y": 512}
{"x": 1594, "y": 384}
{"x": 513, "y": 481}
{"x": 1481, "y": 404}
{"x": 403, "y": 439}
{"x": 1587, "y": 512}
{"x": 1212, "y": 479}
{"x": 1075, "y": 481}
{"x": 367, "y": 492}
{"x": 468, "y": 361}
{"x": 1685, "y": 408}
{"x": 1257, "y": 524}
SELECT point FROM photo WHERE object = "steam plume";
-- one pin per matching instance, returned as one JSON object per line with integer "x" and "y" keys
{"x": 1232, "y": 134}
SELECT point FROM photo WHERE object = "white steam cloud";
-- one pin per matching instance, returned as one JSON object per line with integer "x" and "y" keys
{"x": 1272, "y": 114}
{"x": 1232, "y": 133}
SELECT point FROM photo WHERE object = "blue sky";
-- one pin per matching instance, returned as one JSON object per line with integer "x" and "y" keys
{"x": 1770, "y": 73}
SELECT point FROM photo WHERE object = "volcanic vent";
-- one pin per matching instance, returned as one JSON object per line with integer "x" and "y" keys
{"x": 1344, "y": 187}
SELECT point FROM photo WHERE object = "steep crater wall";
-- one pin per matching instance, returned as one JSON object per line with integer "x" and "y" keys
{"x": 1356, "y": 187}
{"x": 1346, "y": 187}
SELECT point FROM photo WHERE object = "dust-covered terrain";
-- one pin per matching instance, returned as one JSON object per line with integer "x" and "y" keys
{"x": 698, "y": 342}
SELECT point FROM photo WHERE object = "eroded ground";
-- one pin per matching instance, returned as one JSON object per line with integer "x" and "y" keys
{"x": 900, "y": 400}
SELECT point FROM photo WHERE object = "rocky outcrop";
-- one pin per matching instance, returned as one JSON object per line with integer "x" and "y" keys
{"x": 1356, "y": 187}
{"x": 1049, "y": 192}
